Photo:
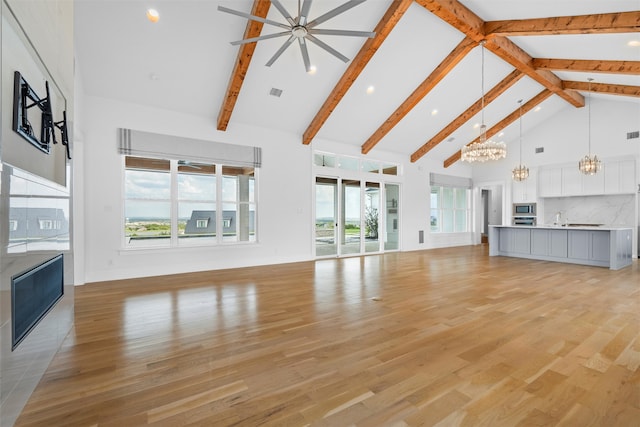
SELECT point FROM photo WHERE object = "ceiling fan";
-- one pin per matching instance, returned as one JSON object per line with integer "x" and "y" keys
{"x": 301, "y": 29}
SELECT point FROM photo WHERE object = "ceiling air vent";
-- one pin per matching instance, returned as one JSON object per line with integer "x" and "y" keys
{"x": 275, "y": 92}
{"x": 539, "y": 150}
{"x": 633, "y": 135}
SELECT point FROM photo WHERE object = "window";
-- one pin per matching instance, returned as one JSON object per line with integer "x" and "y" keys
{"x": 349, "y": 163}
{"x": 450, "y": 209}
{"x": 13, "y": 225}
{"x": 49, "y": 224}
{"x": 181, "y": 202}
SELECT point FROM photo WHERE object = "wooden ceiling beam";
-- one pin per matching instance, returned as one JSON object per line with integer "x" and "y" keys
{"x": 607, "y": 23}
{"x": 458, "y": 16}
{"x": 530, "y": 105}
{"x": 245, "y": 53}
{"x": 454, "y": 57}
{"x": 489, "y": 97}
{"x": 518, "y": 58}
{"x": 610, "y": 89}
{"x": 388, "y": 22}
{"x": 594, "y": 66}
{"x": 465, "y": 21}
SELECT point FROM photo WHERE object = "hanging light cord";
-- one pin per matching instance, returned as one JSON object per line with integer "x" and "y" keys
{"x": 520, "y": 102}
{"x": 589, "y": 115}
{"x": 482, "y": 126}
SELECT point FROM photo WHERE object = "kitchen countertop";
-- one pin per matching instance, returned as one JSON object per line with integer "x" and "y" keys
{"x": 566, "y": 227}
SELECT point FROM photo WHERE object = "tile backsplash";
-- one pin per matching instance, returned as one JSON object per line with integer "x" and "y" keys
{"x": 614, "y": 211}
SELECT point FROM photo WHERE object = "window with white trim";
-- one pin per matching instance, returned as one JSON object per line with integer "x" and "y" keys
{"x": 170, "y": 203}
{"x": 450, "y": 209}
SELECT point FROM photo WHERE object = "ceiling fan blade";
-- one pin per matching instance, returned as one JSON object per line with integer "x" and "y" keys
{"x": 337, "y": 11}
{"x": 342, "y": 33}
{"x": 327, "y": 48}
{"x": 284, "y": 12}
{"x": 304, "y": 12}
{"x": 279, "y": 52}
{"x": 265, "y": 37}
{"x": 253, "y": 17}
{"x": 305, "y": 54}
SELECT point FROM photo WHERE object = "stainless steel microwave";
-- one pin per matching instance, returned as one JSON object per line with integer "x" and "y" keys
{"x": 524, "y": 209}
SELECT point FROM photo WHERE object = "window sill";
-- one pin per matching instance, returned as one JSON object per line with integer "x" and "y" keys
{"x": 182, "y": 249}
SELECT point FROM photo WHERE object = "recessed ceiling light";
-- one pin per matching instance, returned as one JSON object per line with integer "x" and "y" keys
{"x": 153, "y": 15}
{"x": 634, "y": 43}
{"x": 371, "y": 89}
{"x": 538, "y": 108}
{"x": 501, "y": 134}
{"x": 312, "y": 70}
{"x": 434, "y": 111}
{"x": 476, "y": 126}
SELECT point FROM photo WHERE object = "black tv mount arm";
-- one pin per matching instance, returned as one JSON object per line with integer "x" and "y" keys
{"x": 62, "y": 125}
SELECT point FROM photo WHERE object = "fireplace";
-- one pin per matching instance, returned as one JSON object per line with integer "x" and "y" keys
{"x": 34, "y": 293}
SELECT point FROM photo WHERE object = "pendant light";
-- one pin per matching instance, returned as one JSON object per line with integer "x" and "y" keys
{"x": 483, "y": 149}
{"x": 520, "y": 172}
{"x": 589, "y": 165}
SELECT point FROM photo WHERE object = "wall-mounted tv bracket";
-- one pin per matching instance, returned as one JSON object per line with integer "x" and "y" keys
{"x": 24, "y": 99}
{"x": 62, "y": 125}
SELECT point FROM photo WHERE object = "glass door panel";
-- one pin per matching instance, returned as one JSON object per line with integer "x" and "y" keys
{"x": 326, "y": 216}
{"x": 351, "y": 218}
{"x": 372, "y": 217}
{"x": 392, "y": 220}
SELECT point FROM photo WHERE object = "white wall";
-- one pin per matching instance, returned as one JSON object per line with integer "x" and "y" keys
{"x": 284, "y": 200}
{"x": 285, "y": 196}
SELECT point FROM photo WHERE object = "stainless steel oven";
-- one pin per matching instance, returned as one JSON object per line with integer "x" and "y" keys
{"x": 524, "y": 220}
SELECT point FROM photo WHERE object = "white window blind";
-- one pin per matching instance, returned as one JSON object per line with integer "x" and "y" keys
{"x": 450, "y": 181}
{"x": 148, "y": 144}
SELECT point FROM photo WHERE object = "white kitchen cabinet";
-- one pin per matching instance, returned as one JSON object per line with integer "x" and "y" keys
{"x": 618, "y": 176}
{"x": 525, "y": 191}
{"x": 594, "y": 184}
{"x": 571, "y": 181}
{"x": 627, "y": 176}
{"x": 550, "y": 182}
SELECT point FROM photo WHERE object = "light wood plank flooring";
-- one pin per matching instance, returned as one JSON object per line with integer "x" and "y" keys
{"x": 444, "y": 337}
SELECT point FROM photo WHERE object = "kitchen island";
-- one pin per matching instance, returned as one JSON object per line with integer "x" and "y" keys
{"x": 596, "y": 246}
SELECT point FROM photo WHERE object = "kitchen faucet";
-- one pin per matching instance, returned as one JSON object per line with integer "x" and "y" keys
{"x": 558, "y": 220}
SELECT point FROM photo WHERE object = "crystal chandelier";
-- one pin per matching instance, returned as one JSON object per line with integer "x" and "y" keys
{"x": 589, "y": 165}
{"x": 483, "y": 149}
{"x": 520, "y": 172}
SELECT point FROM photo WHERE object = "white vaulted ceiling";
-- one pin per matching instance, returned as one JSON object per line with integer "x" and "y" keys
{"x": 185, "y": 62}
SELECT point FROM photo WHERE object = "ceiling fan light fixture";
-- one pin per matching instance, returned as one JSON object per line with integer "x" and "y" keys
{"x": 302, "y": 29}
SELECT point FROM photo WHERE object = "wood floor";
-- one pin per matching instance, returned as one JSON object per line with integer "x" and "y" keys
{"x": 448, "y": 337}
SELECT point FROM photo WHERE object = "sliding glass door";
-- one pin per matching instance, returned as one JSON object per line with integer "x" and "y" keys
{"x": 326, "y": 216}
{"x": 351, "y": 231}
{"x": 353, "y": 217}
